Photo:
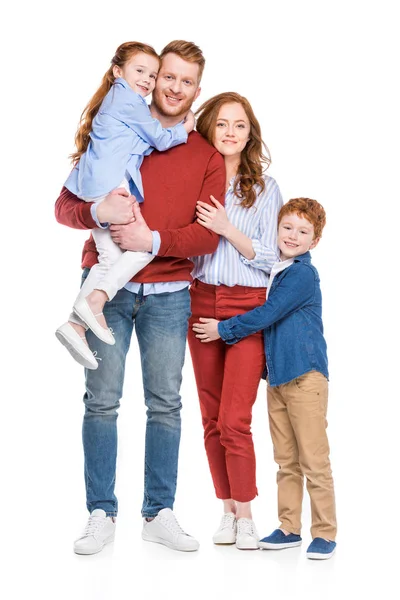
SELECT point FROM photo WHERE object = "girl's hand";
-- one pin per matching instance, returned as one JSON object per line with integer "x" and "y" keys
{"x": 207, "y": 330}
{"x": 189, "y": 122}
{"x": 212, "y": 218}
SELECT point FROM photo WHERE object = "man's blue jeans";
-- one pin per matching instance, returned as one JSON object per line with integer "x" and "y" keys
{"x": 161, "y": 322}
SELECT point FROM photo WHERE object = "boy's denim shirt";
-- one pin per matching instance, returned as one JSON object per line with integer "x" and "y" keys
{"x": 292, "y": 323}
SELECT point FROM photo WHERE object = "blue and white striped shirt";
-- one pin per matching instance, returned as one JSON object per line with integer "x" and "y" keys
{"x": 227, "y": 266}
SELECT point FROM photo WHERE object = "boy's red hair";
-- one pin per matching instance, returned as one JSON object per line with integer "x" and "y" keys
{"x": 308, "y": 209}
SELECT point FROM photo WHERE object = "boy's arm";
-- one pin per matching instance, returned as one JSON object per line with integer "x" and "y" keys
{"x": 295, "y": 290}
{"x": 194, "y": 239}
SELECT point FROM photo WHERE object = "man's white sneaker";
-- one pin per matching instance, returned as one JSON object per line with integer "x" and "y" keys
{"x": 165, "y": 529}
{"x": 247, "y": 536}
{"x": 226, "y": 533}
{"x": 100, "y": 530}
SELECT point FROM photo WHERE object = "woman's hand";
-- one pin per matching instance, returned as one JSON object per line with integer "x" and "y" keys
{"x": 207, "y": 330}
{"x": 213, "y": 217}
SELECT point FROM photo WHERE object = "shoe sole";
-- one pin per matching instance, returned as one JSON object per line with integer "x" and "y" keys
{"x": 74, "y": 352}
{"x": 87, "y": 552}
{"x": 157, "y": 540}
{"x": 319, "y": 556}
{"x": 270, "y": 546}
{"x": 247, "y": 547}
{"x": 224, "y": 543}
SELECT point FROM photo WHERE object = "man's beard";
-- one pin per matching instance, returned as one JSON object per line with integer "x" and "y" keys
{"x": 171, "y": 111}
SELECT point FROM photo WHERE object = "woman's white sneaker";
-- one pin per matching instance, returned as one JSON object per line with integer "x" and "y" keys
{"x": 165, "y": 529}
{"x": 226, "y": 533}
{"x": 100, "y": 530}
{"x": 247, "y": 536}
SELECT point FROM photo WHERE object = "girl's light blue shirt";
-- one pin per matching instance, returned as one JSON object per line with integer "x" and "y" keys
{"x": 123, "y": 131}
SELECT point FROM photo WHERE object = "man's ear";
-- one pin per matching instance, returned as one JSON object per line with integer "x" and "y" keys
{"x": 314, "y": 243}
{"x": 197, "y": 94}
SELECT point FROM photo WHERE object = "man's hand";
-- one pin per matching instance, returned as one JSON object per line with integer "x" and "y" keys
{"x": 207, "y": 330}
{"x": 116, "y": 208}
{"x": 135, "y": 236}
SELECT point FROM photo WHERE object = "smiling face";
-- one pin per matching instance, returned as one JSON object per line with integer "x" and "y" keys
{"x": 140, "y": 72}
{"x": 232, "y": 130}
{"x": 295, "y": 236}
{"x": 177, "y": 87}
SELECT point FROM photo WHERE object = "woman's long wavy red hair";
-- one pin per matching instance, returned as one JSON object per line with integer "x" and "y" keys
{"x": 122, "y": 55}
{"x": 253, "y": 160}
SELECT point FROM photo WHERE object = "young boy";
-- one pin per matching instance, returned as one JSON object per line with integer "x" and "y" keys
{"x": 297, "y": 367}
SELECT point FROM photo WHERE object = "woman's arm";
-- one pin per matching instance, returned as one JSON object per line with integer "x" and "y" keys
{"x": 260, "y": 251}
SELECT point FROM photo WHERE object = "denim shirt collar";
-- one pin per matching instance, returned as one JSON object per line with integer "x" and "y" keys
{"x": 306, "y": 257}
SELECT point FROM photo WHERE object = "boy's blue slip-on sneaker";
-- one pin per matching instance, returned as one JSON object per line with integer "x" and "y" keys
{"x": 278, "y": 541}
{"x": 320, "y": 549}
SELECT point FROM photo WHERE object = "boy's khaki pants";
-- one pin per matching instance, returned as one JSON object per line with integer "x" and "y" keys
{"x": 297, "y": 419}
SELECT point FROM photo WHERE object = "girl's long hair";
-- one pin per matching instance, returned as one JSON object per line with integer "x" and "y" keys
{"x": 255, "y": 157}
{"x": 122, "y": 55}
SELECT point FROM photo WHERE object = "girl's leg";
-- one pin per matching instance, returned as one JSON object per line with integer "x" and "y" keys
{"x": 114, "y": 269}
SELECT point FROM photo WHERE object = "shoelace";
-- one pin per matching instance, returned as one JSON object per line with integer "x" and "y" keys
{"x": 95, "y": 355}
{"x": 93, "y": 525}
{"x": 246, "y": 526}
{"x": 227, "y": 521}
{"x": 172, "y": 524}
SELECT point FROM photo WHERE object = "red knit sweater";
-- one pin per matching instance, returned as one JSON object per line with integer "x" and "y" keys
{"x": 173, "y": 181}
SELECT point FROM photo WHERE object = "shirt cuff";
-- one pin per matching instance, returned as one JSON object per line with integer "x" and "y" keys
{"x": 224, "y": 330}
{"x": 156, "y": 242}
{"x": 93, "y": 212}
{"x": 259, "y": 261}
{"x": 182, "y": 133}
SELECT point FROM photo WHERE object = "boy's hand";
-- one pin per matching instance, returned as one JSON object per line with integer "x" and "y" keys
{"x": 207, "y": 330}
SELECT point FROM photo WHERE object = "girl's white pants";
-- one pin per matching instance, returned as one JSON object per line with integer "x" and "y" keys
{"x": 115, "y": 267}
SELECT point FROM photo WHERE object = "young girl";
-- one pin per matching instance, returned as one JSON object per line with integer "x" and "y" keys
{"x": 115, "y": 132}
{"x": 233, "y": 279}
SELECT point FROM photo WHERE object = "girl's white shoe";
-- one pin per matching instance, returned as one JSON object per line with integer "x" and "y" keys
{"x": 75, "y": 345}
{"x": 83, "y": 310}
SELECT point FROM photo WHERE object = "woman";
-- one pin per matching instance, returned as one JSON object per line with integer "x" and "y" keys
{"x": 233, "y": 280}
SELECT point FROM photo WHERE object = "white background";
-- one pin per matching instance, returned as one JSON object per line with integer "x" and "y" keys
{"x": 323, "y": 80}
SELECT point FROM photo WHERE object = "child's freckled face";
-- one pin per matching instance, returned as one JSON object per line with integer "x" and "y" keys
{"x": 295, "y": 236}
